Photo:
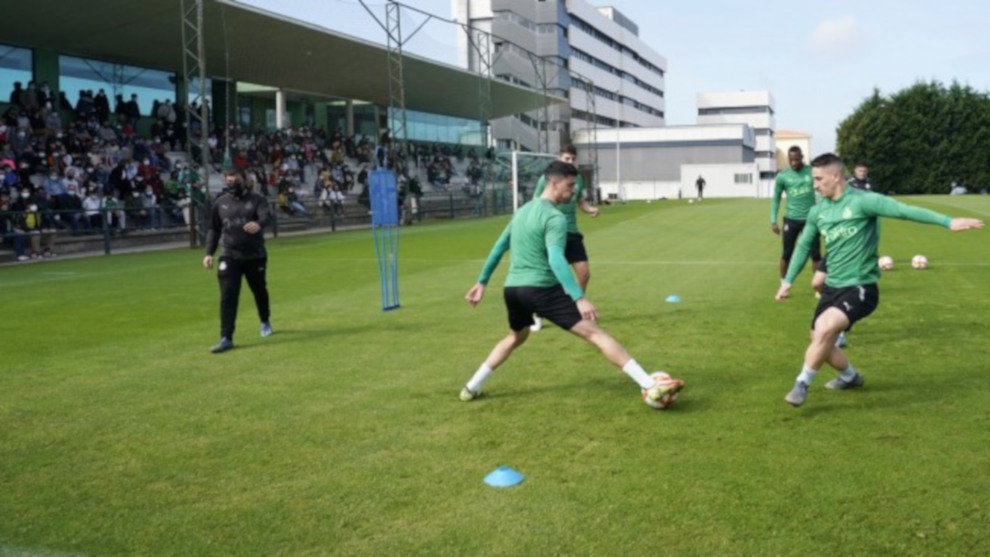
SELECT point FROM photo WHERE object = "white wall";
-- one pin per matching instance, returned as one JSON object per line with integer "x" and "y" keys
{"x": 720, "y": 180}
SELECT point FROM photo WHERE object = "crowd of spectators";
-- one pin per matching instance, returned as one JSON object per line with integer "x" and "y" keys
{"x": 85, "y": 169}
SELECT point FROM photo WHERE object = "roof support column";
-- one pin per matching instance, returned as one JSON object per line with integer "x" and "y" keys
{"x": 279, "y": 109}
{"x": 349, "y": 112}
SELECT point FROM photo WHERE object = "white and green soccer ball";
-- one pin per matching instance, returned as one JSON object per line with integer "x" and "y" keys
{"x": 919, "y": 262}
{"x": 666, "y": 400}
{"x": 885, "y": 262}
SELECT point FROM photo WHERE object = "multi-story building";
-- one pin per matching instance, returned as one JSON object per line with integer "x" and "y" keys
{"x": 753, "y": 108}
{"x": 567, "y": 47}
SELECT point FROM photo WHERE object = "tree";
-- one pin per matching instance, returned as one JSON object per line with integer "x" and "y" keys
{"x": 921, "y": 139}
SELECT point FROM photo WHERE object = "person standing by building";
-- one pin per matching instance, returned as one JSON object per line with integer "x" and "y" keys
{"x": 848, "y": 219}
{"x": 700, "y": 184}
{"x": 797, "y": 183}
{"x": 237, "y": 223}
{"x": 575, "y": 253}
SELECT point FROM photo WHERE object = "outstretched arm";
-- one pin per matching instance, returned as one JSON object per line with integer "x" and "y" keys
{"x": 477, "y": 292}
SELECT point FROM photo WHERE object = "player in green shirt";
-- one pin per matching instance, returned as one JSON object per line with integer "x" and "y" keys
{"x": 574, "y": 251}
{"x": 847, "y": 219}
{"x": 540, "y": 281}
{"x": 796, "y": 181}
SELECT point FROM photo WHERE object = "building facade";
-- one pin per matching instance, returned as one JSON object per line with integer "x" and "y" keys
{"x": 655, "y": 163}
{"x": 753, "y": 108}
{"x": 592, "y": 55}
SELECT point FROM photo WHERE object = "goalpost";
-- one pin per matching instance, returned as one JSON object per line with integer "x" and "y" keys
{"x": 523, "y": 169}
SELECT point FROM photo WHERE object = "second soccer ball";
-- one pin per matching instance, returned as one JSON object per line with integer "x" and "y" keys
{"x": 885, "y": 262}
{"x": 919, "y": 262}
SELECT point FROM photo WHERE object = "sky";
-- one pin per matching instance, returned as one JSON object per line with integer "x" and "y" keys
{"x": 819, "y": 60}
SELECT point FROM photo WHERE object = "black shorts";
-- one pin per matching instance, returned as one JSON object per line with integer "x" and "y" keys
{"x": 823, "y": 265}
{"x": 792, "y": 230}
{"x": 574, "y": 250}
{"x": 548, "y": 302}
{"x": 855, "y": 301}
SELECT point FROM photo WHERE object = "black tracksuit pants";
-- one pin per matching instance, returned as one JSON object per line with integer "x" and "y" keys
{"x": 229, "y": 273}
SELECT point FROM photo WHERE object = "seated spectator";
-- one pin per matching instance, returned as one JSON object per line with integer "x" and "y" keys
{"x": 68, "y": 210}
{"x": 331, "y": 198}
{"x": 10, "y": 233}
{"x": 293, "y": 205}
{"x": 153, "y": 214}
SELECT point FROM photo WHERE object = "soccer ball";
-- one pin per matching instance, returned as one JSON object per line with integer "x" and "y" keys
{"x": 885, "y": 262}
{"x": 919, "y": 262}
{"x": 666, "y": 400}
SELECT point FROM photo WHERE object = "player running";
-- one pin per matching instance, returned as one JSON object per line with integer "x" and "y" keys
{"x": 796, "y": 181}
{"x": 847, "y": 218}
{"x": 539, "y": 281}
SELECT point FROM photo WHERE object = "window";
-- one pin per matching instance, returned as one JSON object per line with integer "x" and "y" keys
{"x": 15, "y": 65}
{"x": 743, "y": 178}
{"x": 78, "y": 74}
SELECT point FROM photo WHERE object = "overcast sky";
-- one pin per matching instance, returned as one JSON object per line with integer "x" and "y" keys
{"x": 818, "y": 59}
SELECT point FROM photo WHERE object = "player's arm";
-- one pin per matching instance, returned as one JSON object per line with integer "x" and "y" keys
{"x": 800, "y": 256}
{"x": 477, "y": 292}
{"x": 884, "y": 206}
{"x": 778, "y": 189}
{"x": 212, "y": 235}
{"x": 555, "y": 239}
{"x": 588, "y": 208}
{"x": 262, "y": 214}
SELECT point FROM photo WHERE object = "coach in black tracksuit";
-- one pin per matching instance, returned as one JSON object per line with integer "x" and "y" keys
{"x": 237, "y": 222}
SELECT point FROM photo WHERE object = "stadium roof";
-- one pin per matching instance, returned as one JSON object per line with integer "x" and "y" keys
{"x": 264, "y": 48}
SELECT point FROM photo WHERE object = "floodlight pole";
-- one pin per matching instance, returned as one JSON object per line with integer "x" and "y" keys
{"x": 194, "y": 69}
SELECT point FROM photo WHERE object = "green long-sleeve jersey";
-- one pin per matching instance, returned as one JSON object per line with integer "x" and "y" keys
{"x": 851, "y": 232}
{"x": 569, "y": 208}
{"x": 800, "y": 188}
{"x": 536, "y": 236}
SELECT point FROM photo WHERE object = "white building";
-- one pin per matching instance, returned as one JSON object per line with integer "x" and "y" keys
{"x": 754, "y": 108}
{"x": 655, "y": 163}
{"x": 578, "y": 41}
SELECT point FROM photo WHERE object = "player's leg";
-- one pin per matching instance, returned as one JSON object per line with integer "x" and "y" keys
{"x": 229, "y": 273}
{"x": 519, "y": 306}
{"x": 582, "y": 273}
{"x": 255, "y": 273}
{"x": 788, "y": 237}
{"x": 577, "y": 256}
{"x": 499, "y": 354}
{"x": 827, "y": 324}
{"x": 617, "y": 354}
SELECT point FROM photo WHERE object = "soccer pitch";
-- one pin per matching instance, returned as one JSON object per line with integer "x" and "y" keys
{"x": 343, "y": 434}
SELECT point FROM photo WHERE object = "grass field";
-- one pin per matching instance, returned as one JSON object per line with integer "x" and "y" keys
{"x": 342, "y": 433}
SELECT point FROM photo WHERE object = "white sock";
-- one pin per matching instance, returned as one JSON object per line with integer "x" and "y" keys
{"x": 807, "y": 375}
{"x": 479, "y": 377}
{"x": 633, "y": 369}
{"x": 849, "y": 374}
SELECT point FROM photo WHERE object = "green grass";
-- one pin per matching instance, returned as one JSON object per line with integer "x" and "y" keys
{"x": 342, "y": 433}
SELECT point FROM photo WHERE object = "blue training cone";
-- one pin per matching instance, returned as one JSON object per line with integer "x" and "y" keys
{"x": 673, "y": 299}
{"x": 503, "y": 476}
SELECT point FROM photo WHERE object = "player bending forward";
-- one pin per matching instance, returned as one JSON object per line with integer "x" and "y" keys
{"x": 847, "y": 218}
{"x": 540, "y": 282}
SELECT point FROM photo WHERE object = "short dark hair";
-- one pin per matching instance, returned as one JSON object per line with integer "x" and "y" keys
{"x": 826, "y": 159}
{"x": 861, "y": 163}
{"x": 569, "y": 149}
{"x": 235, "y": 171}
{"x": 560, "y": 169}
{"x": 795, "y": 149}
